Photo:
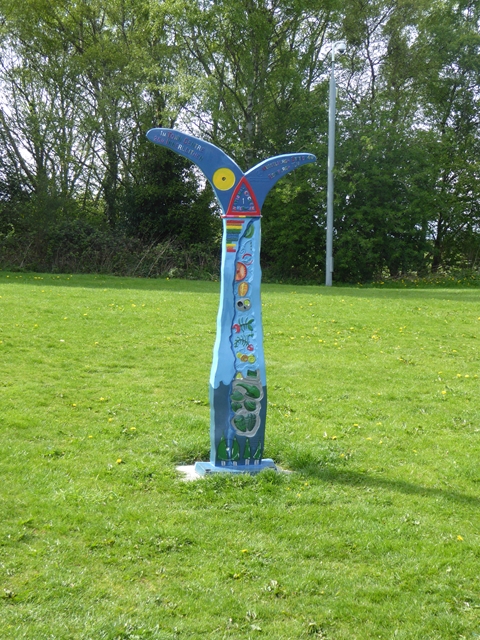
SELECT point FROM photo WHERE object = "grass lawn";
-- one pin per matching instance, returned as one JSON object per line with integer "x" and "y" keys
{"x": 374, "y": 405}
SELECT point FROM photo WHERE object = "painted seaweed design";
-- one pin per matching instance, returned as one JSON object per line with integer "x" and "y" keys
{"x": 245, "y": 403}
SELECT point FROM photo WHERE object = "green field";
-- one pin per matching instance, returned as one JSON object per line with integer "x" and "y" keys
{"x": 374, "y": 405}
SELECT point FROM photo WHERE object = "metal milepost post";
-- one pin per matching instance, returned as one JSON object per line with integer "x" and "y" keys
{"x": 341, "y": 48}
{"x": 238, "y": 389}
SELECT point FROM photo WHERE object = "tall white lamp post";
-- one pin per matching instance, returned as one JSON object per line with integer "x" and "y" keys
{"x": 339, "y": 47}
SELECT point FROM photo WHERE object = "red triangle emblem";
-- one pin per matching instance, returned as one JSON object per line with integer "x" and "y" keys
{"x": 243, "y": 201}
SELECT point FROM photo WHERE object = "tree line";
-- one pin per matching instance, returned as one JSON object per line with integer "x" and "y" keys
{"x": 81, "y": 81}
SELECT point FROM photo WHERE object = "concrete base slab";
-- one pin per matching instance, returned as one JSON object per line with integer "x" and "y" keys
{"x": 188, "y": 472}
{"x": 206, "y": 468}
{"x": 202, "y": 469}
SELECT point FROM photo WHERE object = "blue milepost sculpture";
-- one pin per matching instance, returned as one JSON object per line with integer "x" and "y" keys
{"x": 238, "y": 390}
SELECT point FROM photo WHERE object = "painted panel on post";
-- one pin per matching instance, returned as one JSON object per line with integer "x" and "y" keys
{"x": 238, "y": 390}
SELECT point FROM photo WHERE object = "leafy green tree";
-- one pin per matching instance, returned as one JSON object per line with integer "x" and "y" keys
{"x": 251, "y": 64}
{"x": 380, "y": 225}
{"x": 380, "y": 217}
{"x": 13, "y": 198}
{"x": 449, "y": 40}
{"x": 163, "y": 200}
{"x": 255, "y": 71}
{"x": 83, "y": 83}
{"x": 293, "y": 239}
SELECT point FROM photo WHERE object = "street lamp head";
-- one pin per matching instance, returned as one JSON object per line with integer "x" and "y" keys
{"x": 338, "y": 47}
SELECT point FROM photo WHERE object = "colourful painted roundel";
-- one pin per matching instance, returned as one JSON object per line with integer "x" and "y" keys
{"x": 244, "y": 305}
{"x": 240, "y": 271}
{"x": 223, "y": 179}
{"x": 242, "y": 289}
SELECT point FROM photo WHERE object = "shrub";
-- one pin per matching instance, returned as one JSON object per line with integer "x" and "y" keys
{"x": 78, "y": 247}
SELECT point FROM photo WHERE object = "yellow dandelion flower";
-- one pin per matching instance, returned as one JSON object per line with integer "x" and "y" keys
{"x": 459, "y": 538}
{"x": 119, "y": 461}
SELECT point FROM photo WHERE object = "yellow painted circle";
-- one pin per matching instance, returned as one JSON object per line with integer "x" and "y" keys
{"x": 224, "y": 179}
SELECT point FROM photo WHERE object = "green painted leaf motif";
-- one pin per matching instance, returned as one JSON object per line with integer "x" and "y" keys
{"x": 250, "y": 405}
{"x": 258, "y": 453}
{"x": 242, "y": 340}
{"x": 240, "y": 423}
{"x": 236, "y": 396}
{"x": 246, "y": 453}
{"x": 251, "y": 421}
{"x": 250, "y": 231}
{"x": 245, "y": 423}
{"x": 222, "y": 453}
{"x": 236, "y": 406}
{"x": 235, "y": 450}
{"x": 252, "y": 391}
{"x": 246, "y": 325}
